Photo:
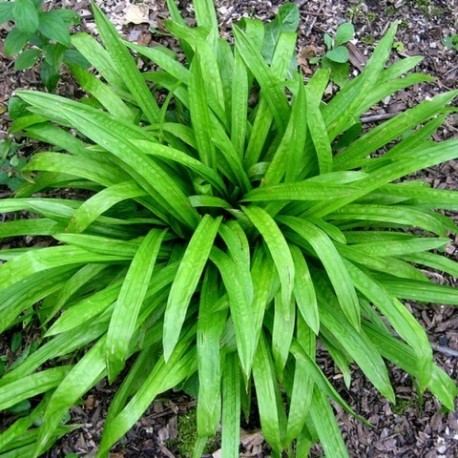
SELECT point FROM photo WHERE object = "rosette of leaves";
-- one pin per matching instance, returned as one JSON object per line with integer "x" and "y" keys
{"x": 337, "y": 56}
{"x": 40, "y": 36}
{"x": 218, "y": 237}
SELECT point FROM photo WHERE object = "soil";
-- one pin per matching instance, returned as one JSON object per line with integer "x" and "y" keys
{"x": 414, "y": 427}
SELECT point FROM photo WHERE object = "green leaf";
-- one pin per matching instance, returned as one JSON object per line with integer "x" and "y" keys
{"x": 206, "y": 15}
{"x": 315, "y": 121}
{"x": 32, "y": 385}
{"x": 103, "y": 93}
{"x": 304, "y": 291}
{"x": 333, "y": 264}
{"x": 69, "y": 17}
{"x": 326, "y": 426}
{"x": 345, "y": 33}
{"x": 278, "y": 248}
{"x": 25, "y": 16}
{"x": 130, "y": 74}
{"x": 85, "y": 374}
{"x": 94, "y": 53}
{"x": 304, "y": 190}
{"x": 282, "y": 331}
{"x": 210, "y": 326}
{"x": 187, "y": 279}
{"x": 338, "y": 54}
{"x": 399, "y": 317}
{"x": 15, "y": 41}
{"x": 130, "y": 300}
{"x": 200, "y": 115}
{"x": 49, "y": 75}
{"x": 355, "y": 343}
{"x": 27, "y": 59}
{"x": 240, "y": 306}
{"x": 286, "y": 20}
{"x": 6, "y": 11}
{"x": 52, "y": 27}
{"x": 273, "y": 93}
{"x": 230, "y": 441}
{"x": 271, "y": 410}
{"x": 74, "y": 57}
{"x": 164, "y": 376}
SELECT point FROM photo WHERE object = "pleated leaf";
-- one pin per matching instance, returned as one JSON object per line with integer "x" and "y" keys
{"x": 186, "y": 280}
{"x": 130, "y": 300}
{"x": 278, "y": 248}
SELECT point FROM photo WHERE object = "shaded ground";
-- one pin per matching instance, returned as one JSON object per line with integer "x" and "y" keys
{"x": 412, "y": 428}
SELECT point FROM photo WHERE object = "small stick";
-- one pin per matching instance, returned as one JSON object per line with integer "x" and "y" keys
{"x": 378, "y": 117}
{"x": 445, "y": 350}
{"x": 309, "y": 31}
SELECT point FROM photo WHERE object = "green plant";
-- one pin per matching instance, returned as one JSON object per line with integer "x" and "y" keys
{"x": 337, "y": 57}
{"x": 451, "y": 42}
{"x": 10, "y": 164}
{"x": 229, "y": 231}
{"x": 40, "y": 36}
{"x": 399, "y": 46}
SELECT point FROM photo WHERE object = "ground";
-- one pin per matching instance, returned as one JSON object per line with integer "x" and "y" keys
{"x": 414, "y": 427}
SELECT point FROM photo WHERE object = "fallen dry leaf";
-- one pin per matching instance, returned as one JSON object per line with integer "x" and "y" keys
{"x": 137, "y": 14}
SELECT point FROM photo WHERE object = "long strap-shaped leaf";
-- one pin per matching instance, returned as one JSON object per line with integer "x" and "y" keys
{"x": 339, "y": 115}
{"x": 210, "y": 326}
{"x": 114, "y": 136}
{"x": 277, "y": 246}
{"x": 427, "y": 157}
{"x": 355, "y": 343}
{"x": 390, "y": 130}
{"x": 85, "y": 374}
{"x": 400, "y": 318}
{"x": 271, "y": 89}
{"x": 231, "y": 407}
{"x": 35, "y": 261}
{"x": 164, "y": 376}
{"x": 101, "y": 202}
{"x": 240, "y": 305}
{"x": 103, "y": 93}
{"x": 396, "y": 215}
{"x": 326, "y": 426}
{"x": 130, "y": 300}
{"x": 308, "y": 190}
{"x": 130, "y": 73}
{"x": 315, "y": 122}
{"x": 304, "y": 291}
{"x": 77, "y": 166}
{"x": 332, "y": 262}
{"x": 200, "y": 113}
{"x": 186, "y": 280}
{"x": 173, "y": 155}
{"x": 291, "y": 148}
{"x": 94, "y": 52}
{"x": 271, "y": 410}
{"x": 206, "y": 15}
{"x": 27, "y": 387}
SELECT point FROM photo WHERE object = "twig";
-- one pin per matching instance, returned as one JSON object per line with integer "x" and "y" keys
{"x": 450, "y": 71}
{"x": 309, "y": 31}
{"x": 311, "y": 13}
{"x": 445, "y": 350}
{"x": 378, "y": 117}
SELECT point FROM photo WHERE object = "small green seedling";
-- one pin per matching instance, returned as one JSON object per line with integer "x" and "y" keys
{"x": 40, "y": 37}
{"x": 451, "y": 42}
{"x": 337, "y": 56}
{"x": 10, "y": 164}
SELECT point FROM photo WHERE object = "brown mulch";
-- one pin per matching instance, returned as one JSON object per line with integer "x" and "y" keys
{"x": 414, "y": 427}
